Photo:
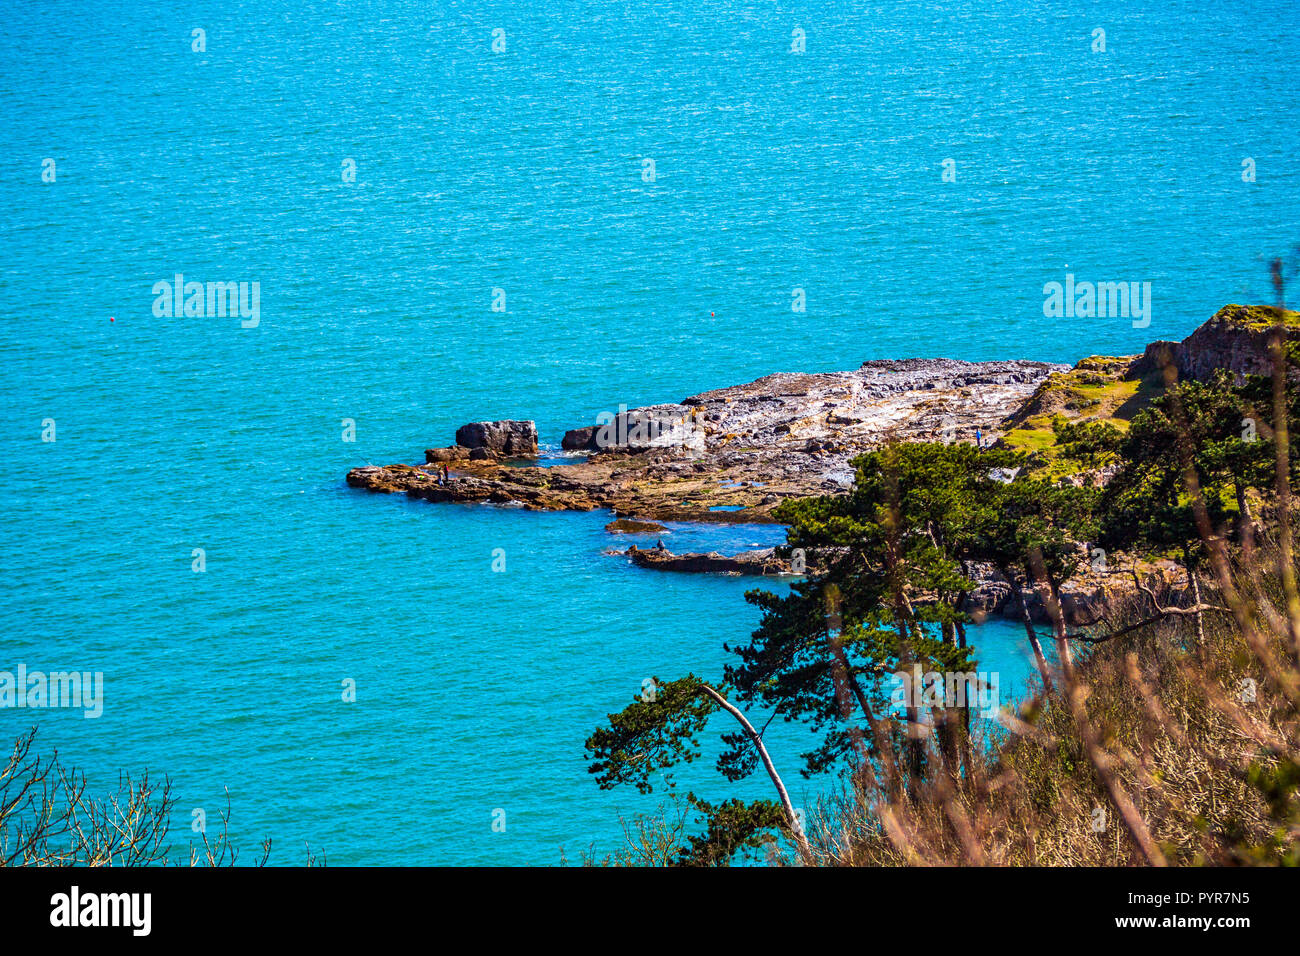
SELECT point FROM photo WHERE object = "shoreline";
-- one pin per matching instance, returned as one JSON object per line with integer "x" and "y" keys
{"x": 731, "y": 455}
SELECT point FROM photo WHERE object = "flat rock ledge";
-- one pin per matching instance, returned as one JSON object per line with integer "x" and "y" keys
{"x": 728, "y": 455}
{"x": 761, "y": 562}
{"x": 632, "y": 526}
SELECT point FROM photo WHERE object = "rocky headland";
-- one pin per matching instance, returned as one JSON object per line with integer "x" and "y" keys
{"x": 727, "y": 455}
{"x": 1236, "y": 338}
{"x": 734, "y": 454}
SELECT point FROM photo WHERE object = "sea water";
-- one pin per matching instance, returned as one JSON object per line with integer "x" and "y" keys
{"x": 517, "y": 178}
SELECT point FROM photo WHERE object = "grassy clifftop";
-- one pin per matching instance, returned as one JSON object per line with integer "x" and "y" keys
{"x": 1112, "y": 389}
{"x": 1257, "y": 318}
{"x": 1101, "y": 388}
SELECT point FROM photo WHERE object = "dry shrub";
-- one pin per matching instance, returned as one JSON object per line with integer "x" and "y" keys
{"x": 1152, "y": 748}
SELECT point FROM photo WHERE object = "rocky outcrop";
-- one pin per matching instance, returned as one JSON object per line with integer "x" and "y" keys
{"x": 580, "y": 439}
{"x": 760, "y": 562}
{"x": 732, "y": 454}
{"x": 631, "y": 526}
{"x": 1236, "y": 338}
{"x": 448, "y": 454}
{"x": 1085, "y": 599}
{"x": 503, "y": 439}
{"x": 638, "y": 430}
{"x": 1114, "y": 389}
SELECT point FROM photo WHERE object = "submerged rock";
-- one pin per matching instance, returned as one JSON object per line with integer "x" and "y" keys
{"x": 632, "y": 526}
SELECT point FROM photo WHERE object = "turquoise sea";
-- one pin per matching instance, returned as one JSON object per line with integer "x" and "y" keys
{"x": 522, "y": 171}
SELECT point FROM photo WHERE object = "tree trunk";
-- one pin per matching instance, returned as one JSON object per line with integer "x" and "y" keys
{"x": 1198, "y": 616}
{"x": 905, "y": 624}
{"x": 796, "y": 828}
{"x": 884, "y": 746}
{"x": 1029, "y": 630}
{"x": 1058, "y": 624}
{"x": 1245, "y": 520}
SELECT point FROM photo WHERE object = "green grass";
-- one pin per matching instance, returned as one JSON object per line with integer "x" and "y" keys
{"x": 1258, "y": 318}
{"x": 1096, "y": 389}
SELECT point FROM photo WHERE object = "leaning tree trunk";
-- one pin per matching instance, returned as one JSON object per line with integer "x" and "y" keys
{"x": 834, "y": 626}
{"x": 1198, "y": 617}
{"x": 1029, "y": 630}
{"x": 915, "y": 747}
{"x": 1058, "y": 623}
{"x": 805, "y": 851}
{"x": 1245, "y": 520}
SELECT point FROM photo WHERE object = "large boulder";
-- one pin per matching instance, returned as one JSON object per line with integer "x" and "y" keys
{"x": 450, "y": 453}
{"x": 666, "y": 426}
{"x": 504, "y": 439}
{"x": 580, "y": 439}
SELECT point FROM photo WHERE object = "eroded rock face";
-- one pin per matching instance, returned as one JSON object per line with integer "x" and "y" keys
{"x": 1236, "y": 339}
{"x": 1085, "y": 599}
{"x": 642, "y": 429}
{"x": 504, "y": 439}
